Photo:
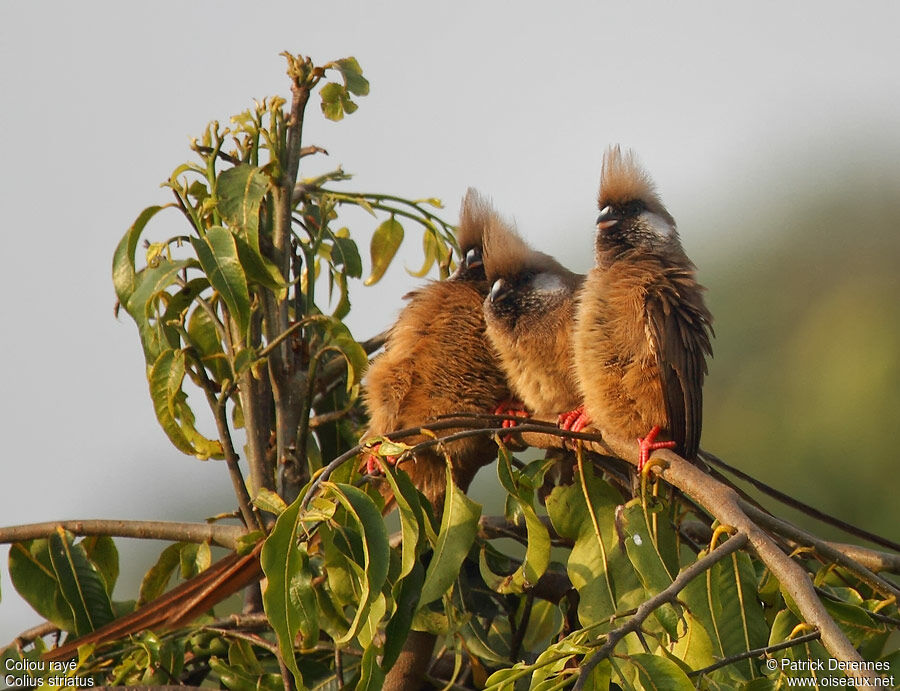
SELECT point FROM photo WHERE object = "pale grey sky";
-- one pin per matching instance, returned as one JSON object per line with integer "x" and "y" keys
{"x": 519, "y": 99}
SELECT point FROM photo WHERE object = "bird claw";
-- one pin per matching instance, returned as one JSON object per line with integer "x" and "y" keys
{"x": 510, "y": 407}
{"x": 370, "y": 462}
{"x": 647, "y": 445}
{"x": 574, "y": 420}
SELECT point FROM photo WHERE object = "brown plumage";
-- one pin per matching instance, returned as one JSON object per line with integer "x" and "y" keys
{"x": 642, "y": 329}
{"x": 437, "y": 361}
{"x": 529, "y": 313}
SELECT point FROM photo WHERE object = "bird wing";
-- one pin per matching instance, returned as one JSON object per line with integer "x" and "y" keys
{"x": 678, "y": 325}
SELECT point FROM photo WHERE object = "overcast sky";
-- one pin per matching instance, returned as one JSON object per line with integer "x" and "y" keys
{"x": 99, "y": 101}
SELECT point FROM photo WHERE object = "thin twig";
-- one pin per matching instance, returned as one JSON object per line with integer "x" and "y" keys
{"x": 822, "y": 548}
{"x": 670, "y": 594}
{"x": 758, "y": 652}
{"x": 800, "y": 506}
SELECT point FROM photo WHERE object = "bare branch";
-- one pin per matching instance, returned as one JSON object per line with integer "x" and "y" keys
{"x": 800, "y": 506}
{"x": 824, "y": 549}
{"x": 217, "y": 534}
{"x": 758, "y": 652}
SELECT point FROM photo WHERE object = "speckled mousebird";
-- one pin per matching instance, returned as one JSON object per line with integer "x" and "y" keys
{"x": 642, "y": 330}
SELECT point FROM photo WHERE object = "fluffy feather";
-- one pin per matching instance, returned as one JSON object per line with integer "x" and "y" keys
{"x": 437, "y": 361}
{"x": 642, "y": 329}
{"x": 529, "y": 314}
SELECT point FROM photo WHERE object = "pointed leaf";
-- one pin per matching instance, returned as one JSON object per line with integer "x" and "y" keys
{"x": 123, "y": 268}
{"x": 165, "y": 380}
{"x": 289, "y": 603}
{"x": 385, "y": 243}
{"x": 102, "y": 552}
{"x": 157, "y": 577}
{"x": 353, "y": 76}
{"x": 375, "y": 550}
{"x": 32, "y": 575}
{"x": 239, "y": 191}
{"x": 218, "y": 256}
{"x": 660, "y": 673}
{"x": 80, "y": 582}
{"x": 259, "y": 270}
{"x": 457, "y": 533}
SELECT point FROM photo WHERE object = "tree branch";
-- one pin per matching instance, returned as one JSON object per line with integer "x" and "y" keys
{"x": 758, "y": 652}
{"x": 217, "y": 534}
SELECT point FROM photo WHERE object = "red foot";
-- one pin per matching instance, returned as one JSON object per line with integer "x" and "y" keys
{"x": 647, "y": 446}
{"x": 575, "y": 420}
{"x": 510, "y": 407}
{"x": 370, "y": 462}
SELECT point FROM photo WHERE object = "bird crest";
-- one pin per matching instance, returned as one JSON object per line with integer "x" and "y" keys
{"x": 623, "y": 179}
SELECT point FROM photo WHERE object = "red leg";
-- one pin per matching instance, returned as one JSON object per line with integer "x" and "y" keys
{"x": 510, "y": 407}
{"x": 574, "y": 420}
{"x": 648, "y": 445}
{"x": 370, "y": 462}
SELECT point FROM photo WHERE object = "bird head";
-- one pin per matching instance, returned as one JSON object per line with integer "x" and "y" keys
{"x": 524, "y": 283}
{"x": 631, "y": 213}
{"x": 475, "y": 214}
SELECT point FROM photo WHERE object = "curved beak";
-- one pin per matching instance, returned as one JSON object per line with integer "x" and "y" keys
{"x": 498, "y": 290}
{"x": 608, "y": 218}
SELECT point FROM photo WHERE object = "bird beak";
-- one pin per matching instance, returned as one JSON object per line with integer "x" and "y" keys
{"x": 473, "y": 259}
{"x": 498, "y": 290}
{"x": 607, "y": 218}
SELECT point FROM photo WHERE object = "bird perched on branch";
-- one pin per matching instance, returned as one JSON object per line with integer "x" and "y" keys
{"x": 529, "y": 313}
{"x": 437, "y": 361}
{"x": 642, "y": 329}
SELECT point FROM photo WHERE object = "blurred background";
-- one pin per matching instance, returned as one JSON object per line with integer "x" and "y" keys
{"x": 771, "y": 130}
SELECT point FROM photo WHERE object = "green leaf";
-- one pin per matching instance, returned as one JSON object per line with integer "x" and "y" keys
{"x": 353, "y": 76}
{"x": 375, "y": 550}
{"x": 599, "y": 570}
{"x": 259, "y": 270}
{"x": 385, "y": 243}
{"x": 157, "y": 577}
{"x": 32, "y": 575}
{"x": 194, "y": 558}
{"x": 288, "y": 599}
{"x": 149, "y": 287}
{"x": 204, "y": 338}
{"x": 354, "y": 354}
{"x": 267, "y": 500}
{"x": 371, "y": 675}
{"x": 102, "y": 552}
{"x": 660, "y": 673}
{"x": 336, "y": 101}
{"x": 165, "y": 380}
{"x": 345, "y": 253}
{"x": 218, "y": 256}
{"x": 406, "y": 598}
{"x": 647, "y": 561}
{"x": 694, "y": 646}
{"x": 411, "y": 517}
{"x": 457, "y": 533}
{"x": 123, "y": 268}
{"x": 537, "y": 551}
{"x": 80, "y": 582}
{"x": 725, "y": 601}
{"x": 239, "y": 191}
